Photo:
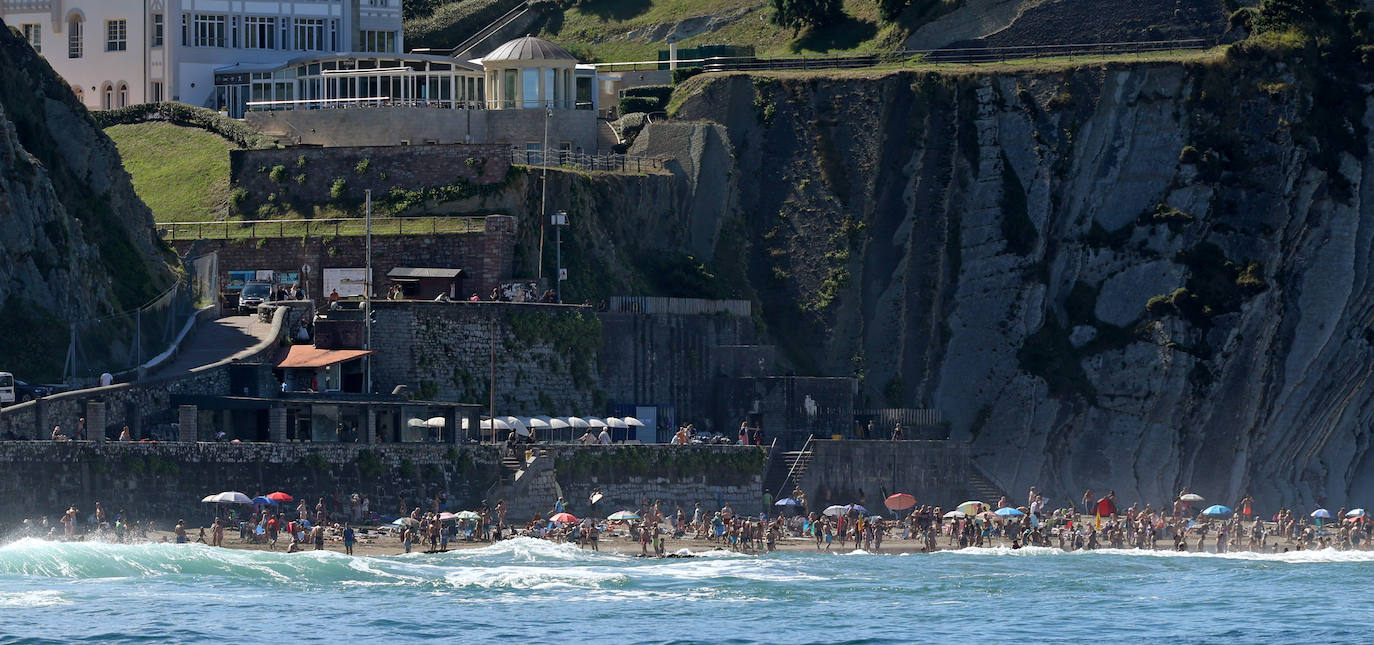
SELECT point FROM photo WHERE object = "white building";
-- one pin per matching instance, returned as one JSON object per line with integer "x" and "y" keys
{"x": 120, "y": 52}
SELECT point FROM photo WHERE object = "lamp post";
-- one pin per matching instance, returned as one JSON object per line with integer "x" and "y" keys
{"x": 544, "y": 196}
{"x": 560, "y": 219}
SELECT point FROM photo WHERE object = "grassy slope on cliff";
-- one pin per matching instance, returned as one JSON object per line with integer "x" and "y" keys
{"x": 181, "y": 173}
{"x": 598, "y": 30}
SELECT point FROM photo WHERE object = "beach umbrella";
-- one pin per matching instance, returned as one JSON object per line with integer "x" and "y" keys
{"x": 856, "y": 508}
{"x": 406, "y": 521}
{"x": 280, "y": 497}
{"x": 1322, "y": 514}
{"x": 899, "y": 502}
{"x": 596, "y": 423}
{"x": 955, "y": 515}
{"x": 1217, "y": 510}
{"x": 616, "y": 423}
{"x": 577, "y": 422}
{"x": 787, "y": 501}
{"x": 469, "y": 515}
{"x": 971, "y": 507}
{"x": 631, "y": 421}
{"x": 989, "y": 516}
{"x": 228, "y": 497}
{"x": 445, "y": 517}
{"x": 834, "y": 511}
{"x": 555, "y": 424}
{"x": 1355, "y": 512}
{"x": 500, "y": 424}
{"x": 622, "y": 516}
{"x": 436, "y": 422}
{"x": 538, "y": 422}
{"x": 1009, "y": 512}
{"x": 265, "y": 501}
{"x": 564, "y": 518}
{"x": 1191, "y": 497}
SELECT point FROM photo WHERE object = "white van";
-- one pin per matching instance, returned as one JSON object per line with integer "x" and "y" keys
{"x": 6, "y": 388}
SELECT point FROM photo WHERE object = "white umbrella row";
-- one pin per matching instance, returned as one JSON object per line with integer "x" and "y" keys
{"x": 524, "y": 426}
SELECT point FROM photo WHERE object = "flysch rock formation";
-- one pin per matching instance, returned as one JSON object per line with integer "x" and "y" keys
{"x": 1128, "y": 277}
{"x": 77, "y": 242}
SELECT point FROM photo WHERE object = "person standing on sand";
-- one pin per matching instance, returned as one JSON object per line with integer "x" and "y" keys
{"x": 1088, "y": 502}
{"x": 318, "y": 534}
{"x": 180, "y": 531}
{"x": 348, "y": 538}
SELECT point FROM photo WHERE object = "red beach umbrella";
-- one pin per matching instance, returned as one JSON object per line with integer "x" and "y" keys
{"x": 900, "y": 502}
{"x": 563, "y": 518}
{"x": 280, "y": 497}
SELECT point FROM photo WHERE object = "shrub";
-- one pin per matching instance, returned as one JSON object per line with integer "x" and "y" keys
{"x": 362, "y": 165}
{"x": 1159, "y": 306}
{"x": 300, "y": 179}
{"x": 336, "y": 189}
{"x": 633, "y": 104}
{"x": 660, "y": 92}
{"x": 278, "y": 174}
{"x": 300, "y": 161}
{"x": 683, "y": 73}
{"x": 237, "y": 197}
{"x": 186, "y": 115}
{"x": 1189, "y": 155}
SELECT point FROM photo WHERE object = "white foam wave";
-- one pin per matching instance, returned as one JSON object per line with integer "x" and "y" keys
{"x": 536, "y": 578}
{"x": 30, "y": 599}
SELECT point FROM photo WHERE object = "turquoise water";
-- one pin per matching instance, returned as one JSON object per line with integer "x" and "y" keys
{"x": 532, "y": 591}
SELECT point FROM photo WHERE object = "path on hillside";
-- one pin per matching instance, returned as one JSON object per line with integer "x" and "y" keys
{"x": 213, "y": 341}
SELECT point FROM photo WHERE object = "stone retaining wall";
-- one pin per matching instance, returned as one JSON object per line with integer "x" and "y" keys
{"x": 865, "y": 472}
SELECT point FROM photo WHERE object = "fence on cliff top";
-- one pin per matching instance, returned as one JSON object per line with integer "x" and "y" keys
{"x": 908, "y": 57}
{"x": 579, "y": 161}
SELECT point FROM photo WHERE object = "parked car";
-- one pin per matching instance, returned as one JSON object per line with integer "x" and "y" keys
{"x": 24, "y": 392}
{"x": 6, "y": 388}
{"x": 254, "y": 294}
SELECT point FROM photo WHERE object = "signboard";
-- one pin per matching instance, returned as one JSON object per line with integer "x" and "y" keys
{"x": 649, "y": 416}
{"x": 265, "y": 275}
{"x": 238, "y": 78}
{"x": 348, "y": 282}
{"x": 239, "y": 278}
{"x": 288, "y": 278}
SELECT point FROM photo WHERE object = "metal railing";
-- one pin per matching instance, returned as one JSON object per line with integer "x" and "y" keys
{"x": 679, "y": 306}
{"x": 338, "y": 226}
{"x": 581, "y": 161}
{"x": 792, "y": 471}
{"x": 902, "y": 58}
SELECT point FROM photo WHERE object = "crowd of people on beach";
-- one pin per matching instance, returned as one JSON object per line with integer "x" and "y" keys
{"x": 1097, "y": 524}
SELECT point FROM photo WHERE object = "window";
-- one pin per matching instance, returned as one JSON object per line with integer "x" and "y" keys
{"x": 75, "y": 26}
{"x": 310, "y": 34}
{"x": 334, "y": 35}
{"x": 116, "y": 35}
{"x": 208, "y": 30}
{"x": 530, "y": 94}
{"x": 378, "y": 41}
{"x": 107, "y": 97}
{"x": 157, "y": 91}
{"x": 157, "y": 30}
{"x": 34, "y": 34}
{"x": 185, "y": 31}
{"x": 259, "y": 33}
{"x": 123, "y": 94}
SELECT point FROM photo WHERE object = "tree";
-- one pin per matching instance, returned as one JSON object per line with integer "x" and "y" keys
{"x": 798, "y": 14}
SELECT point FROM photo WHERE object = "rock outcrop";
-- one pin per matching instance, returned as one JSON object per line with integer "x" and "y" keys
{"x": 1113, "y": 277}
{"x": 77, "y": 242}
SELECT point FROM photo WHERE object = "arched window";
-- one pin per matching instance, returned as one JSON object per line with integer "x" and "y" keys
{"x": 106, "y": 96}
{"x": 76, "y": 25}
{"x": 123, "y": 94}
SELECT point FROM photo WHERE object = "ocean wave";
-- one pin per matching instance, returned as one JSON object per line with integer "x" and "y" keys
{"x": 533, "y": 578}
{"x": 526, "y": 549}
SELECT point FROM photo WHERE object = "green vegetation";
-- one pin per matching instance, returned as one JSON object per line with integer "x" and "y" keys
{"x": 181, "y": 173}
{"x": 1215, "y": 286}
{"x": 184, "y": 115}
{"x": 445, "y": 23}
{"x": 1165, "y": 214}
{"x": 570, "y": 333}
{"x": 799, "y": 14}
{"x": 249, "y": 229}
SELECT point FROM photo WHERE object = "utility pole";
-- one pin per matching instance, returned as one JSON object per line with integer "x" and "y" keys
{"x": 367, "y": 294}
{"x": 544, "y": 197}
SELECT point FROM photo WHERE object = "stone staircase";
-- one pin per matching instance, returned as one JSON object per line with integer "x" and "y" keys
{"x": 606, "y": 136}
{"x": 981, "y": 488}
{"x": 787, "y": 472}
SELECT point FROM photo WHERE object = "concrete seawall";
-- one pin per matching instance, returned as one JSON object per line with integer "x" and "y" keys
{"x": 165, "y": 481}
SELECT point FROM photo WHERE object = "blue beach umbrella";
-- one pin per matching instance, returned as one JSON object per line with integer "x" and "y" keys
{"x": 1321, "y": 514}
{"x": 1217, "y": 510}
{"x": 855, "y": 507}
{"x": 1009, "y": 512}
{"x": 1358, "y": 512}
{"x": 265, "y": 501}
{"x": 787, "y": 501}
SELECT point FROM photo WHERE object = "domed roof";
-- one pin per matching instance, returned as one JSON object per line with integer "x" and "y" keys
{"x": 528, "y": 48}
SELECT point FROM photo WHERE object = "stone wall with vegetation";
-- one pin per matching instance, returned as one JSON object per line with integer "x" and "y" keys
{"x": 267, "y": 183}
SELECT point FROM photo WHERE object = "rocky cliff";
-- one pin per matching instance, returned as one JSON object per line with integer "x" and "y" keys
{"x": 77, "y": 242}
{"x": 1137, "y": 277}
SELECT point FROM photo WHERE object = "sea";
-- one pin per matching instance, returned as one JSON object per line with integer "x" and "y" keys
{"x": 531, "y": 591}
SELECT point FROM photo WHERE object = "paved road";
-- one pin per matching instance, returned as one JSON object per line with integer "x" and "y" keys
{"x": 216, "y": 340}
